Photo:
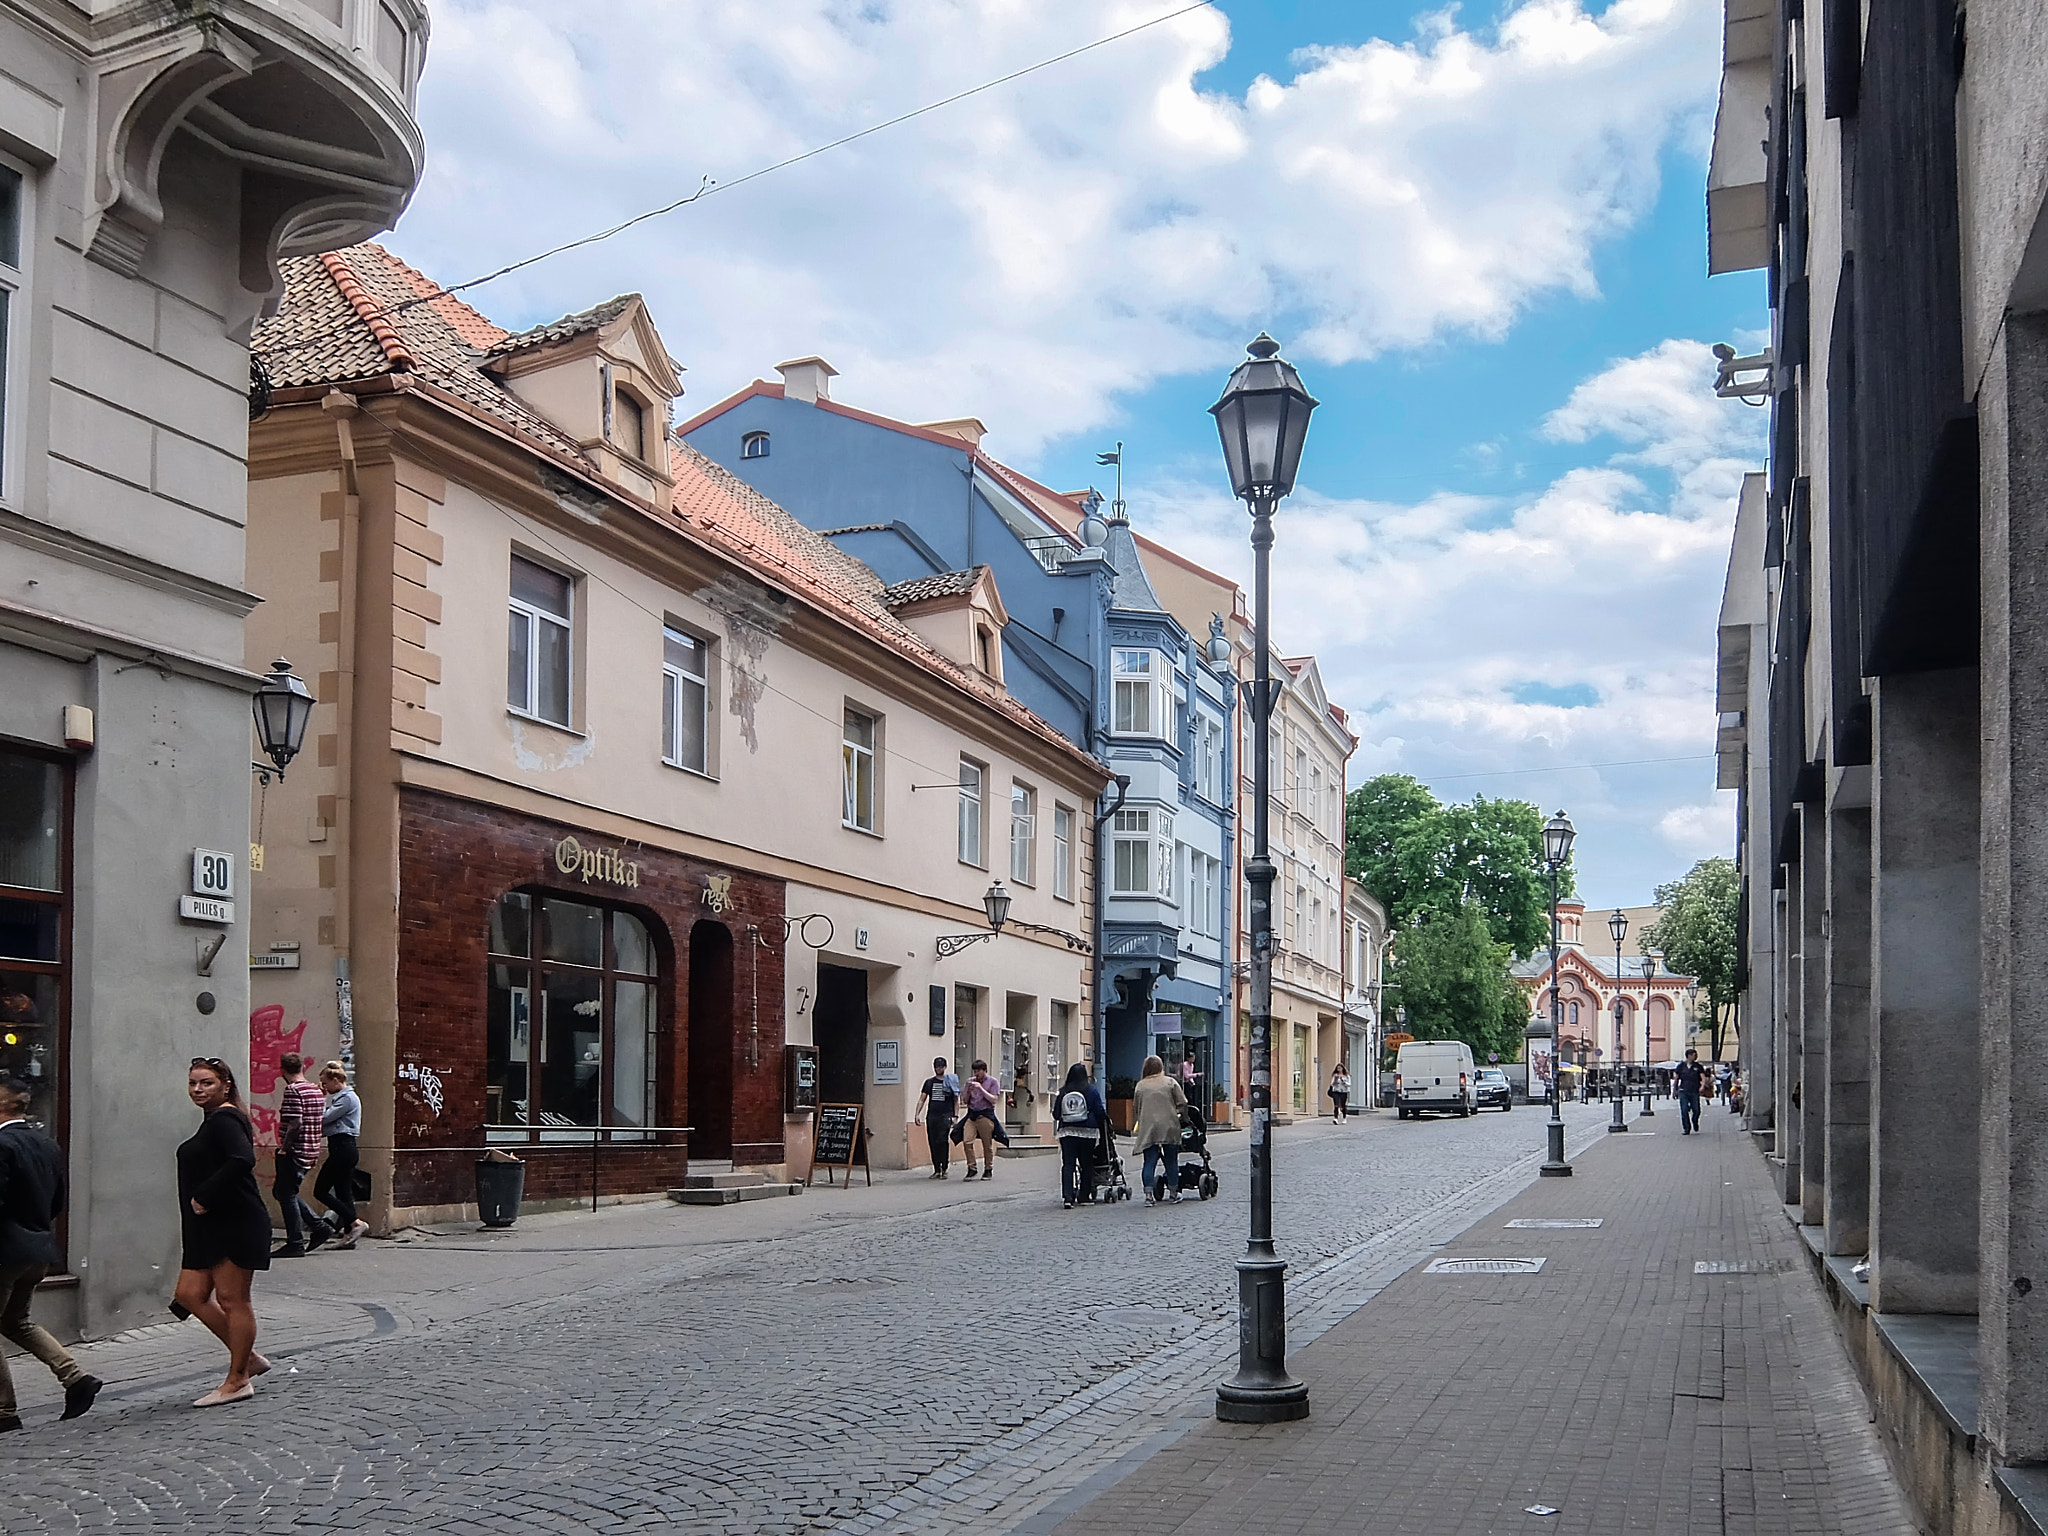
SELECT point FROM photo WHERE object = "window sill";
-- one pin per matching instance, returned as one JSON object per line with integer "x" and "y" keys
{"x": 863, "y": 831}
{"x": 545, "y": 723}
{"x": 695, "y": 773}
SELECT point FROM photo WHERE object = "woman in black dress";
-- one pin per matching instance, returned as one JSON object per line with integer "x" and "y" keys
{"x": 226, "y": 1226}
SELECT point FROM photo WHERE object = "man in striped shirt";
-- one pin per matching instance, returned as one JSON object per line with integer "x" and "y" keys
{"x": 299, "y": 1144}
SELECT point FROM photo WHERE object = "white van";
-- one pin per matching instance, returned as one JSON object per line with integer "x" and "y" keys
{"x": 1434, "y": 1077}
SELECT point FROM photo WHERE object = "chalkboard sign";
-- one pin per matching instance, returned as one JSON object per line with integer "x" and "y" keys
{"x": 840, "y": 1143}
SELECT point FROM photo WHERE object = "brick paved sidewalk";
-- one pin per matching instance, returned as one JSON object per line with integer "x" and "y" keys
{"x": 1617, "y": 1385}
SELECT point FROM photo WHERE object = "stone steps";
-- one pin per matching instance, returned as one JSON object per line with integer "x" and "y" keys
{"x": 1029, "y": 1144}
{"x": 722, "y": 1186}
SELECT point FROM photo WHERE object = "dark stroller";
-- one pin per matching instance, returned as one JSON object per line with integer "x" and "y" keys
{"x": 1197, "y": 1172}
{"x": 1102, "y": 1175}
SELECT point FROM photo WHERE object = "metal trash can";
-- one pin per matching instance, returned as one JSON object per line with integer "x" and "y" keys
{"x": 500, "y": 1186}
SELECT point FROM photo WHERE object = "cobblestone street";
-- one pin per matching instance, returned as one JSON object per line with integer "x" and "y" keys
{"x": 901, "y": 1358}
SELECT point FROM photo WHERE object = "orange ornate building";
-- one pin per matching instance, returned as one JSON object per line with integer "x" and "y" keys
{"x": 1608, "y": 1016}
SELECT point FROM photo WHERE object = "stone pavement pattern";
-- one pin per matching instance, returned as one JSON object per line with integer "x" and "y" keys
{"x": 786, "y": 1366}
{"x": 1617, "y": 1386}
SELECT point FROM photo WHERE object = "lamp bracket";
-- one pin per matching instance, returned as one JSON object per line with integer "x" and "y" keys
{"x": 950, "y": 944}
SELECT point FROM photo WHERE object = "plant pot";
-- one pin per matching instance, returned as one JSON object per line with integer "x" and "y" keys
{"x": 1121, "y": 1116}
{"x": 500, "y": 1186}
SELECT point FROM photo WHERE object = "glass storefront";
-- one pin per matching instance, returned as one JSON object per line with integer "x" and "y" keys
{"x": 1191, "y": 1054}
{"x": 571, "y": 1018}
{"x": 33, "y": 929}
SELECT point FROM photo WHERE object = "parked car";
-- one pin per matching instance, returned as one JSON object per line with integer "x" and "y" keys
{"x": 1492, "y": 1090}
{"x": 1434, "y": 1077}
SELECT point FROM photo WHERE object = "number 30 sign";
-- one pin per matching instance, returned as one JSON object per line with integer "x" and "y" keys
{"x": 213, "y": 873}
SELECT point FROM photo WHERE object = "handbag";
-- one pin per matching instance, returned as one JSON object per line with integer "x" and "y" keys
{"x": 359, "y": 1184}
{"x": 959, "y": 1130}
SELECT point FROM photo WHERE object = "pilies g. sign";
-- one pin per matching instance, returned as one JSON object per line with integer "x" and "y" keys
{"x": 603, "y": 865}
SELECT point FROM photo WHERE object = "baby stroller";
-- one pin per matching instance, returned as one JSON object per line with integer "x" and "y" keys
{"x": 1197, "y": 1172}
{"x": 1102, "y": 1175}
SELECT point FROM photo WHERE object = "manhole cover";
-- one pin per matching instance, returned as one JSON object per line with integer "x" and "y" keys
{"x": 1556, "y": 1223}
{"x": 1142, "y": 1317}
{"x": 1483, "y": 1266}
{"x": 1740, "y": 1266}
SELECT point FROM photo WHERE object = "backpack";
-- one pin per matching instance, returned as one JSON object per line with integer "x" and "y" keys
{"x": 1073, "y": 1109}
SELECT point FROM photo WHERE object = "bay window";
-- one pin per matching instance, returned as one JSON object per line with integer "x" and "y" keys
{"x": 1136, "y": 688}
{"x": 1142, "y": 853}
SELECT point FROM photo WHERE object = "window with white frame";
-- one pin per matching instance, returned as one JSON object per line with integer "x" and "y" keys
{"x": 1203, "y": 903}
{"x": 1310, "y": 946}
{"x": 857, "y": 755}
{"x": 1209, "y": 760}
{"x": 1136, "y": 690}
{"x": 1315, "y": 794}
{"x": 754, "y": 446}
{"x": 1023, "y": 835}
{"x": 1299, "y": 798}
{"x": 973, "y": 787}
{"x": 12, "y": 196}
{"x": 538, "y": 655}
{"x": 685, "y": 700}
{"x": 1063, "y": 853}
{"x": 1142, "y": 853}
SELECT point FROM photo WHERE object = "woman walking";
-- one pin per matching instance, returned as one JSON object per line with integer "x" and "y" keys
{"x": 226, "y": 1226}
{"x": 1340, "y": 1094}
{"x": 342, "y": 1120}
{"x": 1156, "y": 1104}
{"x": 1083, "y": 1120}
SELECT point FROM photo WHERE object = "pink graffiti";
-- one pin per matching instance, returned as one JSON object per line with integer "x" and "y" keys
{"x": 268, "y": 1042}
{"x": 263, "y": 1119}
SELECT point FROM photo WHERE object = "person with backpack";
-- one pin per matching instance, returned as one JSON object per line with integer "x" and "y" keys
{"x": 1081, "y": 1117}
{"x": 32, "y": 1195}
{"x": 937, "y": 1102}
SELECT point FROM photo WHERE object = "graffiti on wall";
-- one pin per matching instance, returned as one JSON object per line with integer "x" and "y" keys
{"x": 269, "y": 1040}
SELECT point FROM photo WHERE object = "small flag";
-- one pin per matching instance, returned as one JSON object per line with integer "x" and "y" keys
{"x": 1110, "y": 458}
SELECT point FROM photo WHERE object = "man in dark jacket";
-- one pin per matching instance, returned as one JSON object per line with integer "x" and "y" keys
{"x": 31, "y": 1200}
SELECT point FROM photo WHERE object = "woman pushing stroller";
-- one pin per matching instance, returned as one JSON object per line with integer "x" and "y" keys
{"x": 1083, "y": 1121}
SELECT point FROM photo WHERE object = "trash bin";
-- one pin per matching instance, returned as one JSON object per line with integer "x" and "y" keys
{"x": 500, "y": 1186}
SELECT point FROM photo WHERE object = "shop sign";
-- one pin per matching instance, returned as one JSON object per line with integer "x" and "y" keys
{"x": 718, "y": 894}
{"x": 603, "y": 865}
{"x": 888, "y": 1061}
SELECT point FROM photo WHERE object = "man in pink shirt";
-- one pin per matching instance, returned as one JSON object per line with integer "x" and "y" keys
{"x": 299, "y": 1145}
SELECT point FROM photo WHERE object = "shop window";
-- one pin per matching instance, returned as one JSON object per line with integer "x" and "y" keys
{"x": 33, "y": 931}
{"x": 571, "y": 1018}
{"x": 1299, "y": 1069}
{"x": 538, "y": 654}
{"x": 685, "y": 700}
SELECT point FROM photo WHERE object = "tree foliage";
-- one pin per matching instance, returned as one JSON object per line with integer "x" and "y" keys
{"x": 1697, "y": 931}
{"x": 1454, "y": 982}
{"x": 1422, "y": 858}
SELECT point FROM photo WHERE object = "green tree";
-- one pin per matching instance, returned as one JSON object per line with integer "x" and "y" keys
{"x": 1454, "y": 982}
{"x": 1697, "y": 933}
{"x": 1379, "y": 816}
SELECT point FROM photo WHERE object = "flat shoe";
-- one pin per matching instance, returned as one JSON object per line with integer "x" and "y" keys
{"x": 79, "y": 1395}
{"x": 258, "y": 1366}
{"x": 216, "y": 1397}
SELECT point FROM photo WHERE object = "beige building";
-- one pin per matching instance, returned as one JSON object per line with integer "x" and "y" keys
{"x": 155, "y": 160}
{"x": 1365, "y": 956}
{"x": 1613, "y": 1015}
{"x": 625, "y": 784}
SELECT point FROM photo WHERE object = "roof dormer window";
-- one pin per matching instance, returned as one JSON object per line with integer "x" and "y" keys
{"x": 754, "y": 446}
{"x": 629, "y": 425}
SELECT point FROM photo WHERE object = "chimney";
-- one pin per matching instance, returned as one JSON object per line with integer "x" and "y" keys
{"x": 808, "y": 379}
{"x": 966, "y": 428}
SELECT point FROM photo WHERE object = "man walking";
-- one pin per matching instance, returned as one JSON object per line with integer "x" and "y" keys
{"x": 299, "y": 1144}
{"x": 938, "y": 1102}
{"x": 31, "y": 1200}
{"x": 1691, "y": 1076}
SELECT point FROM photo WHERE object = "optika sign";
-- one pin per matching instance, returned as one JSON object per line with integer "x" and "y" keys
{"x": 600, "y": 864}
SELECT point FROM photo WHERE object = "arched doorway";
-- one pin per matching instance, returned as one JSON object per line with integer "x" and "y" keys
{"x": 1660, "y": 1030}
{"x": 711, "y": 1041}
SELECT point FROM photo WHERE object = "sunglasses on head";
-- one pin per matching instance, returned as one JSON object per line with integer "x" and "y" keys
{"x": 210, "y": 1061}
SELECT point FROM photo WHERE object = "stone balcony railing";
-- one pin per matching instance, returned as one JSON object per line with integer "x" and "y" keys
{"x": 311, "y": 99}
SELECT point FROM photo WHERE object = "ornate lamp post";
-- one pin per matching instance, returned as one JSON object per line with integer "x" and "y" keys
{"x": 1263, "y": 421}
{"x": 1558, "y": 836}
{"x": 1618, "y": 926}
{"x": 1649, "y": 971}
{"x": 282, "y": 706}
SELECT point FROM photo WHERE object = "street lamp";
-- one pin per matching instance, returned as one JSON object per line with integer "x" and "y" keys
{"x": 1618, "y": 926}
{"x": 1262, "y": 420}
{"x": 1649, "y": 971}
{"x": 282, "y": 706}
{"x": 1558, "y": 835}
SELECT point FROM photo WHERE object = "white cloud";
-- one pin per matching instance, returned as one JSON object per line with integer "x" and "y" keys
{"x": 1031, "y": 253}
{"x": 1428, "y": 620}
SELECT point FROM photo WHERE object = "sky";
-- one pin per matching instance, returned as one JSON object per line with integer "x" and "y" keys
{"x": 1478, "y": 232}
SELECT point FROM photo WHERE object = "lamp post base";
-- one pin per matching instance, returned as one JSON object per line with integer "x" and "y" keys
{"x": 1554, "y": 1165}
{"x": 1618, "y": 1124}
{"x": 1262, "y": 1392}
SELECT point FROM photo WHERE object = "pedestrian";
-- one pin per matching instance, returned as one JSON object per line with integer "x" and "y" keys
{"x": 1156, "y": 1104}
{"x": 32, "y": 1191}
{"x": 298, "y": 1151}
{"x": 342, "y": 1120}
{"x": 226, "y": 1226}
{"x": 982, "y": 1129}
{"x": 937, "y": 1102}
{"x": 1082, "y": 1119}
{"x": 1340, "y": 1094}
{"x": 1690, "y": 1076}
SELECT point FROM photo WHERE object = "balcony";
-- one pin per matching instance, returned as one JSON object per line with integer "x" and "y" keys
{"x": 311, "y": 100}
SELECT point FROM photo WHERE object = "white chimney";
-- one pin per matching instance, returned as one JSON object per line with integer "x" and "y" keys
{"x": 808, "y": 379}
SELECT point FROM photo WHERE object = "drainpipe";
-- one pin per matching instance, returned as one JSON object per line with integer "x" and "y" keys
{"x": 1102, "y": 823}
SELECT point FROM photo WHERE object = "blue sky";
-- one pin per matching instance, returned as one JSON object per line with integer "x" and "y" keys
{"x": 1479, "y": 233}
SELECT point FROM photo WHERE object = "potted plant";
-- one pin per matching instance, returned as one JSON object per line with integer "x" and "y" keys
{"x": 1121, "y": 1091}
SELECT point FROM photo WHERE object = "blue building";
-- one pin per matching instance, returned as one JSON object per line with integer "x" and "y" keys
{"x": 1087, "y": 645}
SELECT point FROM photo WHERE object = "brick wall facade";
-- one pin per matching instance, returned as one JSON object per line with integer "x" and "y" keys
{"x": 456, "y": 858}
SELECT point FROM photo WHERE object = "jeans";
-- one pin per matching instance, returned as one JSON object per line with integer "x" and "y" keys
{"x": 1152, "y": 1156}
{"x": 1342, "y": 1101}
{"x": 1688, "y": 1111}
{"x": 938, "y": 1131}
{"x": 17, "y": 1290}
{"x": 291, "y": 1173}
{"x": 336, "y": 1188}
{"x": 1074, "y": 1155}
